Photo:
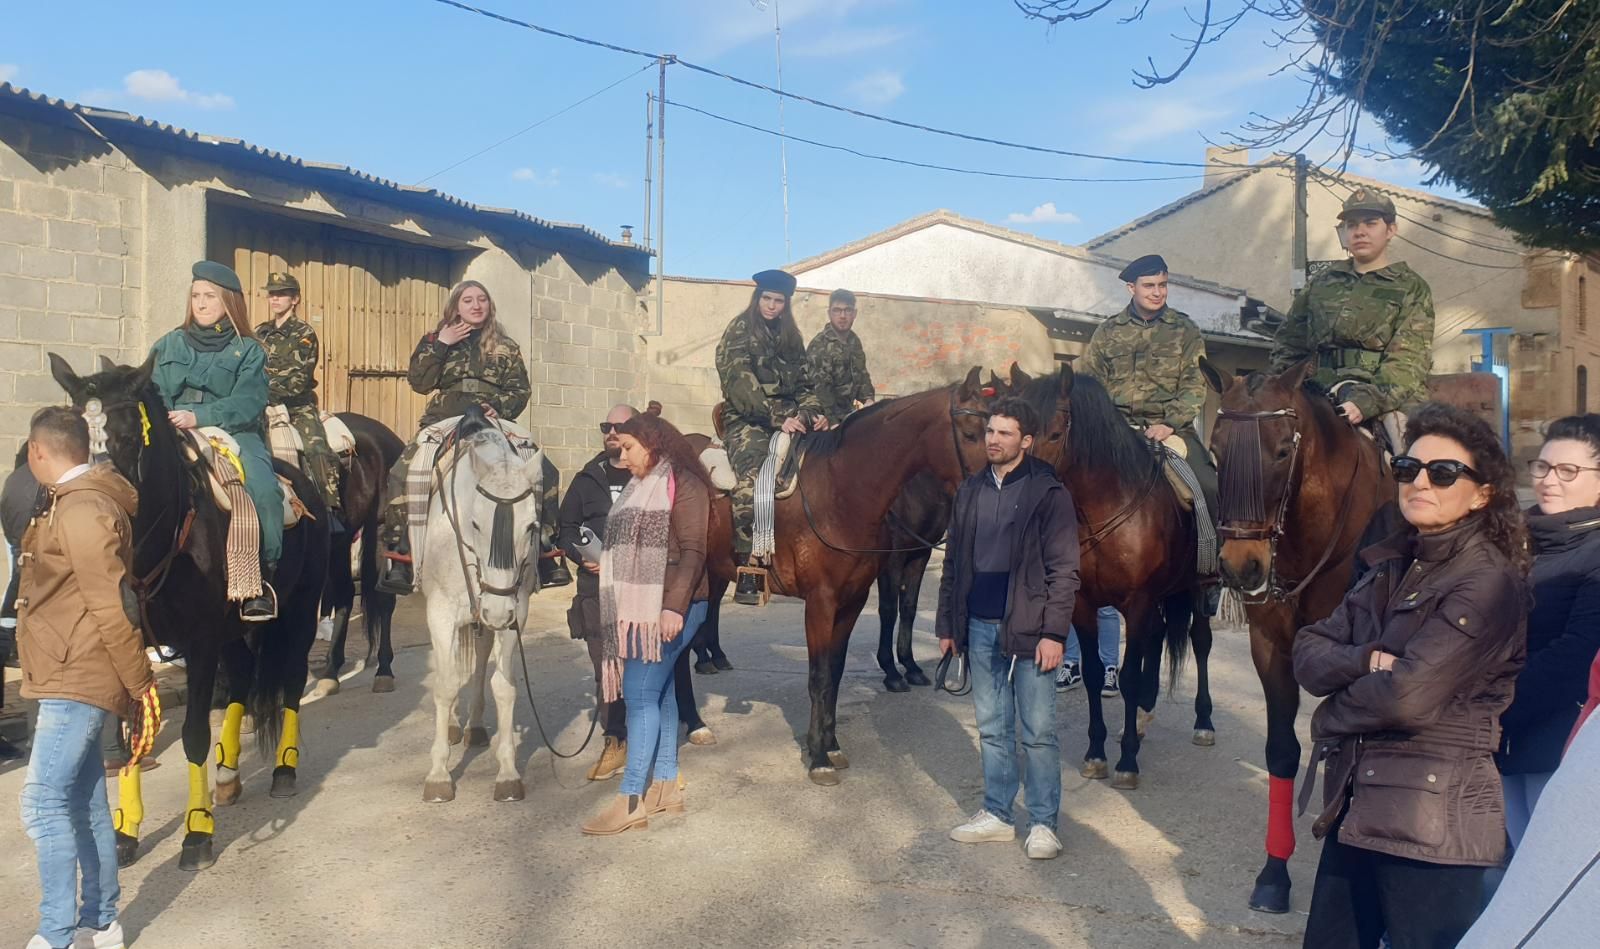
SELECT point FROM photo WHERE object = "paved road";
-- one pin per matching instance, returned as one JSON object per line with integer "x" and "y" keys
{"x": 763, "y": 857}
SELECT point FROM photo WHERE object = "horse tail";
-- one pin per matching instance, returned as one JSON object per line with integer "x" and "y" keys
{"x": 1178, "y": 633}
{"x": 376, "y": 606}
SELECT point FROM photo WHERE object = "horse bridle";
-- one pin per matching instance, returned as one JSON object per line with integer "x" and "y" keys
{"x": 472, "y": 569}
{"x": 1097, "y": 536}
{"x": 1272, "y": 531}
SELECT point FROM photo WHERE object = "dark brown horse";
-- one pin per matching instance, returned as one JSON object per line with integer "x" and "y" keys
{"x": 1299, "y": 485}
{"x": 917, "y": 523}
{"x": 1137, "y": 554}
{"x": 831, "y": 533}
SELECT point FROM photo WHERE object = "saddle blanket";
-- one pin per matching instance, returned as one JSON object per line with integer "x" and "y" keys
{"x": 1187, "y": 487}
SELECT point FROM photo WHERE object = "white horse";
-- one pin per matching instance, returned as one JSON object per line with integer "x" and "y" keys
{"x": 478, "y": 570}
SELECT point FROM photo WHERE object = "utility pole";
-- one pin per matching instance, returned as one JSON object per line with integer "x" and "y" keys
{"x": 649, "y": 147}
{"x": 783, "y": 141}
{"x": 1297, "y": 273}
{"x": 661, "y": 195}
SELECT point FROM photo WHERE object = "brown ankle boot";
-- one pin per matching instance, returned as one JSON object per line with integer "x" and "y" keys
{"x": 613, "y": 759}
{"x": 664, "y": 797}
{"x": 622, "y": 813}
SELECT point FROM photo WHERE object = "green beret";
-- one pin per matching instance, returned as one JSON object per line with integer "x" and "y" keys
{"x": 1367, "y": 201}
{"x": 775, "y": 280}
{"x": 282, "y": 282}
{"x": 1147, "y": 266}
{"x": 219, "y": 274}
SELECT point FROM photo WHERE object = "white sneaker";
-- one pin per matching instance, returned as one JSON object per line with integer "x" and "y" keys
{"x": 107, "y": 938}
{"x": 325, "y": 629}
{"x": 984, "y": 826}
{"x": 38, "y": 942}
{"x": 1043, "y": 844}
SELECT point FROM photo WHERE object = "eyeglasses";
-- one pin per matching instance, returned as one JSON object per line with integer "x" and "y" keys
{"x": 1441, "y": 474}
{"x": 606, "y": 428}
{"x": 841, "y": 310}
{"x": 1538, "y": 468}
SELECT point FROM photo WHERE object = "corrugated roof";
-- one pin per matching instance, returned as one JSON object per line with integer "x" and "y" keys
{"x": 116, "y": 127}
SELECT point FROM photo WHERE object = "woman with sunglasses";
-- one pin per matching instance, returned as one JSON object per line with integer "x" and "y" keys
{"x": 1564, "y": 626}
{"x": 1415, "y": 667}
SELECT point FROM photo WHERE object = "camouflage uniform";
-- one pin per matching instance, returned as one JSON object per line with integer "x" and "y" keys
{"x": 292, "y": 352}
{"x": 764, "y": 382}
{"x": 1151, "y": 369}
{"x": 837, "y": 366}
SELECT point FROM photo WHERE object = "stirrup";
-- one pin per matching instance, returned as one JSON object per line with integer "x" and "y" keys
{"x": 760, "y": 576}
{"x": 267, "y": 592}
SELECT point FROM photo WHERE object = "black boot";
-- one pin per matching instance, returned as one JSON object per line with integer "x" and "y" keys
{"x": 395, "y": 575}
{"x": 751, "y": 584}
{"x": 262, "y": 608}
{"x": 335, "y": 525}
{"x": 553, "y": 571}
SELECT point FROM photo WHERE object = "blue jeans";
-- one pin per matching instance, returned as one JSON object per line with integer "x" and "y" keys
{"x": 653, "y": 709}
{"x": 1002, "y": 696}
{"x": 64, "y": 810}
{"x": 1109, "y": 623}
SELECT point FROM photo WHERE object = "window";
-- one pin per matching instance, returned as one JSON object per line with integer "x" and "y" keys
{"x": 1583, "y": 389}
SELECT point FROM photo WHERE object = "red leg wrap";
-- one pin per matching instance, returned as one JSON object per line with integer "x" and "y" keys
{"x": 1280, "y": 818}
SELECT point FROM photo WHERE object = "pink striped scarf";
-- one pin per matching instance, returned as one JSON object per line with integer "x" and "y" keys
{"x": 633, "y": 573}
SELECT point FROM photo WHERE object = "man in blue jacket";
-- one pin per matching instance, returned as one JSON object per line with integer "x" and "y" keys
{"x": 1005, "y": 599}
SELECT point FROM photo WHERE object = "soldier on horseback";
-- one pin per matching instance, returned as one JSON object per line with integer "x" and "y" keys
{"x": 761, "y": 362}
{"x": 837, "y": 363}
{"x": 292, "y": 352}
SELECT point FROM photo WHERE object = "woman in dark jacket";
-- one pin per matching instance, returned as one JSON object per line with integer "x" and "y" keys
{"x": 1417, "y": 664}
{"x": 1564, "y": 626}
{"x": 654, "y": 594}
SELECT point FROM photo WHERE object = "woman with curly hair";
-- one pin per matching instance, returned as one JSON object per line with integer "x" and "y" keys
{"x": 1416, "y": 666}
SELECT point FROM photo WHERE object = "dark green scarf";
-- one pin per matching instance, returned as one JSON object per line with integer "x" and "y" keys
{"x": 213, "y": 339}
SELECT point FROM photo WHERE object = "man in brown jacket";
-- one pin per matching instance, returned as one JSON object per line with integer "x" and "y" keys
{"x": 83, "y": 660}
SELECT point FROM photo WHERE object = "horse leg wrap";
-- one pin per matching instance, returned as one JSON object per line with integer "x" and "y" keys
{"x": 228, "y": 744}
{"x": 130, "y": 803}
{"x": 198, "y": 819}
{"x": 289, "y": 741}
{"x": 1280, "y": 818}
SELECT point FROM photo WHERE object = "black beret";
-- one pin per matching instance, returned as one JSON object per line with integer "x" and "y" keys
{"x": 219, "y": 274}
{"x": 775, "y": 280}
{"x": 1147, "y": 266}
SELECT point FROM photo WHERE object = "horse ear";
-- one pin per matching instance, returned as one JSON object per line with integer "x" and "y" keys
{"x": 106, "y": 365}
{"x": 65, "y": 377}
{"x": 146, "y": 370}
{"x": 972, "y": 385}
{"x": 1215, "y": 377}
{"x": 1065, "y": 377}
{"x": 1295, "y": 376}
{"x": 995, "y": 382}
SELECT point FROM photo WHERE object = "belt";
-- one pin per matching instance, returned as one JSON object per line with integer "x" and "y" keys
{"x": 1344, "y": 357}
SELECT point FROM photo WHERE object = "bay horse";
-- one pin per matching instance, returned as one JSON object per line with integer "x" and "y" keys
{"x": 1299, "y": 485}
{"x": 831, "y": 534}
{"x": 361, "y": 485}
{"x": 1137, "y": 553}
{"x": 179, "y": 579}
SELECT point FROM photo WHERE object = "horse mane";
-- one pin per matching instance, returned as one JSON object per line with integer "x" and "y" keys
{"x": 829, "y": 443}
{"x": 1099, "y": 437}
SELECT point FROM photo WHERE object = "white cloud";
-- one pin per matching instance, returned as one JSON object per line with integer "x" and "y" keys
{"x": 849, "y": 42}
{"x": 610, "y": 180}
{"x": 8, "y": 71}
{"x": 543, "y": 179}
{"x": 158, "y": 85}
{"x": 878, "y": 88}
{"x": 1045, "y": 213}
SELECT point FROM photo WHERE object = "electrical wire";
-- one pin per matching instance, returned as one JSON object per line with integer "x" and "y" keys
{"x": 1403, "y": 239}
{"x": 1323, "y": 178}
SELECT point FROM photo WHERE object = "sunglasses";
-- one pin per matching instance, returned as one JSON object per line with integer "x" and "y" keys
{"x": 1441, "y": 474}
{"x": 1538, "y": 468}
{"x": 606, "y": 428}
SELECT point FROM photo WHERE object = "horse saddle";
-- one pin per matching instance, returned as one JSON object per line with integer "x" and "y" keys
{"x": 787, "y": 456}
{"x": 444, "y": 434}
{"x": 217, "y": 452}
{"x": 340, "y": 438}
{"x": 289, "y": 447}
{"x": 1177, "y": 453}
{"x": 715, "y": 460}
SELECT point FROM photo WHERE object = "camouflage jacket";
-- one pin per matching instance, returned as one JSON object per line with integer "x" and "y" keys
{"x": 764, "y": 379}
{"x": 837, "y": 366}
{"x": 1151, "y": 368}
{"x": 292, "y": 353}
{"x": 1372, "y": 330}
{"x": 461, "y": 375}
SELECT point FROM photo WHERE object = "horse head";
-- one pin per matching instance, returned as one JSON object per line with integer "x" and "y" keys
{"x": 115, "y": 398}
{"x": 492, "y": 497}
{"x": 969, "y": 415}
{"x": 1258, "y": 442}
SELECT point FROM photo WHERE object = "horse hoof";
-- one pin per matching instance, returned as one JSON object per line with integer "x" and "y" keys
{"x": 838, "y": 760}
{"x": 383, "y": 684}
{"x": 706, "y": 667}
{"x": 825, "y": 777}
{"x": 477, "y": 737}
{"x": 283, "y": 779}
{"x": 228, "y": 793}
{"x": 1270, "y": 898}
{"x": 197, "y": 853}
{"x": 702, "y": 736}
{"x": 509, "y": 790}
{"x": 325, "y": 688}
{"x": 1126, "y": 781}
{"x": 916, "y": 677}
{"x": 722, "y": 663}
{"x": 1095, "y": 769}
{"x": 1205, "y": 737}
{"x": 895, "y": 684}
{"x": 438, "y": 792}
{"x": 453, "y": 736}
{"x": 127, "y": 850}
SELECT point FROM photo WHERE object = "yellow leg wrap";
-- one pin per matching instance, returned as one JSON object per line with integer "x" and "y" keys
{"x": 289, "y": 741}
{"x": 228, "y": 745}
{"x": 198, "y": 818}
{"x": 130, "y": 802}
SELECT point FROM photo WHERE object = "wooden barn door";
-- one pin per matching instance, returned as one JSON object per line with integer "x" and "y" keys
{"x": 369, "y": 299}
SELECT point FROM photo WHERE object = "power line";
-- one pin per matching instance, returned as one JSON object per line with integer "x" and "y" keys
{"x": 513, "y": 21}
{"x": 1509, "y": 250}
{"x": 910, "y": 162}
{"x": 1403, "y": 239}
{"x": 535, "y": 125}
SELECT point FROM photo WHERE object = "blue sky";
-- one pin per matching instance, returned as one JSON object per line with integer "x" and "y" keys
{"x": 405, "y": 88}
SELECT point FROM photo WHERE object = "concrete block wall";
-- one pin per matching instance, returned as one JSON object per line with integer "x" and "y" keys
{"x": 71, "y": 272}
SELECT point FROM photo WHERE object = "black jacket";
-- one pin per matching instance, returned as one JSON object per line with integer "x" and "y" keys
{"x": 19, "y": 501}
{"x": 587, "y": 504}
{"x": 1044, "y": 562}
{"x": 1563, "y": 637}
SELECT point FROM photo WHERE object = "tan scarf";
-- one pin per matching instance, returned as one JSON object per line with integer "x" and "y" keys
{"x": 633, "y": 573}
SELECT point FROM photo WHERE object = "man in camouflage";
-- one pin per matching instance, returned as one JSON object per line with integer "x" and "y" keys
{"x": 292, "y": 354}
{"x": 1148, "y": 358}
{"x": 1366, "y": 322}
{"x": 836, "y": 362}
{"x": 761, "y": 362}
